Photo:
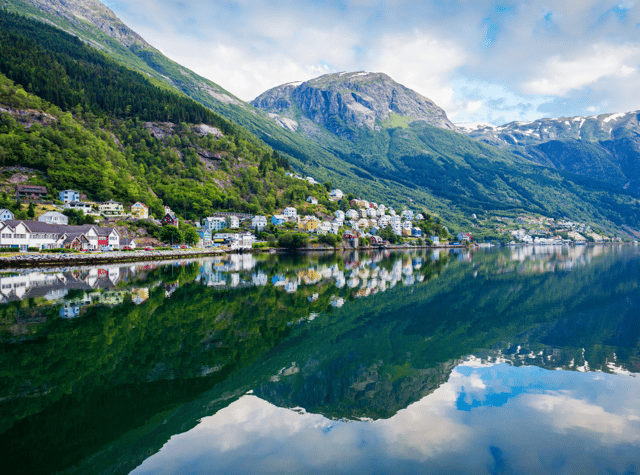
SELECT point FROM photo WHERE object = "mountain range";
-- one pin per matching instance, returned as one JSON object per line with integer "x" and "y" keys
{"x": 378, "y": 139}
{"x": 605, "y": 147}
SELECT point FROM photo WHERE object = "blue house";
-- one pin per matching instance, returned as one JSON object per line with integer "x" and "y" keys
{"x": 278, "y": 219}
{"x": 417, "y": 232}
{"x": 69, "y": 196}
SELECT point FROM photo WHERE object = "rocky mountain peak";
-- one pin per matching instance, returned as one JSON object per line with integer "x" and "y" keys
{"x": 359, "y": 99}
{"x": 94, "y": 13}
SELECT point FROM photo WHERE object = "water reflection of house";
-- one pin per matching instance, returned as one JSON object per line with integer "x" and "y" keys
{"x": 260, "y": 279}
{"x": 310, "y": 276}
{"x": 337, "y": 302}
{"x": 139, "y": 295}
{"x": 112, "y": 297}
{"x": 170, "y": 288}
{"x": 291, "y": 286}
{"x": 71, "y": 309}
{"x": 52, "y": 287}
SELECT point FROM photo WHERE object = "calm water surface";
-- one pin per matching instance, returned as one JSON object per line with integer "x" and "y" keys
{"x": 515, "y": 361}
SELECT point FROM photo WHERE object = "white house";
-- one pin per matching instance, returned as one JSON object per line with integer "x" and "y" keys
{"x": 259, "y": 222}
{"x": 363, "y": 213}
{"x": 339, "y": 214}
{"x": 234, "y": 222}
{"x": 352, "y": 214}
{"x": 313, "y": 200}
{"x": 290, "y": 213}
{"x": 214, "y": 224}
{"x": 335, "y": 194}
{"x": 6, "y": 215}
{"x": 372, "y": 212}
{"x": 24, "y": 234}
{"x": 78, "y": 205}
{"x": 54, "y": 217}
{"x": 69, "y": 196}
{"x": 407, "y": 214}
{"x": 111, "y": 208}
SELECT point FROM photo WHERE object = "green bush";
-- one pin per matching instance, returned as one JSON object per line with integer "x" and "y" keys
{"x": 33, "y": 249}
{"x": 293, "y": 240}
{"x": 9, "y": 249}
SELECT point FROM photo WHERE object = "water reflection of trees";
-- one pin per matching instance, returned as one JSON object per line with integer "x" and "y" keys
{"x": 320, "y": 347}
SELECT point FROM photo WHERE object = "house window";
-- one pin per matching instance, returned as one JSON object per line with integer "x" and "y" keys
{"x": 4, "y": 235}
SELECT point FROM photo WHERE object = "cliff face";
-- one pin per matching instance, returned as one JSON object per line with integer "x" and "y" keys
{"x": 357, "y": 100}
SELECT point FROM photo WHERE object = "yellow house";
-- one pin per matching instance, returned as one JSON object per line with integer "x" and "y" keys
{"x": 310, "y": 225}
{"x": 140, "y": 210}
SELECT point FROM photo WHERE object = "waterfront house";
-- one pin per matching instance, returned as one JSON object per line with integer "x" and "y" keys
{"x": 205, "y": 238}
{"x": 435, "y": 239}
{"x": 462, "y": 237}
{"x": 25, "y": 234}
{"x": 127, "y": 242}
{"x": 69, "y": 196}
{"x": 416, "y": 232}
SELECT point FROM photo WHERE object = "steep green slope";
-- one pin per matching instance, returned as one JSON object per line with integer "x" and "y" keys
{"x": 98, "y": 26}
{"x": 99, "y": 127}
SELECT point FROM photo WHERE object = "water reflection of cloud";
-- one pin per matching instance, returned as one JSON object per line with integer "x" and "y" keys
{"x": 518, "y": 420}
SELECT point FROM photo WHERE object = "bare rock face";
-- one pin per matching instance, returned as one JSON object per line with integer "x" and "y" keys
{"x": 358, "y": 99}
{"x": 93, "y": 12}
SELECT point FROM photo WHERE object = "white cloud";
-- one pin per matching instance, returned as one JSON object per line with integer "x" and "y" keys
{"x": 564, "y": 75}
{"x": 421, "y": 62}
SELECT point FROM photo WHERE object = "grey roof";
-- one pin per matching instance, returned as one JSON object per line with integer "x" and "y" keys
{"x": 39, "y": 227}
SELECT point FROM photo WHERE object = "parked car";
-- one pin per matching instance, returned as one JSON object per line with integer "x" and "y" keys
{"x": 127, "y": 248}
{"x": 149, "y": 248}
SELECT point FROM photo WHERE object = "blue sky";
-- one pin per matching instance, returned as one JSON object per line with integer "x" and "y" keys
{"x": 482, "y": 61}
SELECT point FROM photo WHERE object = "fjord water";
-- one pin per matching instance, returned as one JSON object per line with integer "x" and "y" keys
{"x": 518, "y": 360}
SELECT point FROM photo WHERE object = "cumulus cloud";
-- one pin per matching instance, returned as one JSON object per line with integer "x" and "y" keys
{"x": 561, "y": 75}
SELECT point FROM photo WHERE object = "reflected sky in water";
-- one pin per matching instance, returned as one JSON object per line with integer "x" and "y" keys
{"x": 488, "y": 418}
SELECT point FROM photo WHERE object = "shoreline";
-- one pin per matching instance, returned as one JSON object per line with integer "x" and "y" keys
{"x": 20, "y": 260}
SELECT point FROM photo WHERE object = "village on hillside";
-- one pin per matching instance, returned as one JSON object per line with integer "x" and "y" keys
{"x": 73, "y": 222}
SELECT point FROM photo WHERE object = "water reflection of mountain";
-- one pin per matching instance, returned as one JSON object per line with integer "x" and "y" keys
{"x": 132, "y": 375}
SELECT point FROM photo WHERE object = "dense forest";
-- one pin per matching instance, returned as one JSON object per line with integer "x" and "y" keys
{"x": 91, "y": 124}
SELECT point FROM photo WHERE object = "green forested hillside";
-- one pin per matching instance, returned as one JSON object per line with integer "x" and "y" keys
{"x": 401, "y": 164}
{"x": 91, "y": 124}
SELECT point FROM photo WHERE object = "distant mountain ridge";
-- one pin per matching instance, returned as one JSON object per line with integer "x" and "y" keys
{"x": 605, "y": 147}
